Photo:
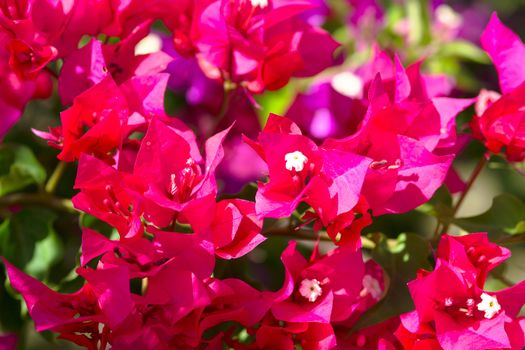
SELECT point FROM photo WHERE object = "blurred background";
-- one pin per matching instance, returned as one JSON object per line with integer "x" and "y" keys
{"x": 444, "y": 33}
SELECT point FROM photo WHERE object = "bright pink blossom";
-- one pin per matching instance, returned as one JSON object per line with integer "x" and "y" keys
{"x": 259, "y": 45}
{"x": 230, "y": 224}
{"x": 328, "y": 180}
{"x": 105, "y": 300}
{"x": 107, "y": 194}
{"x": 499, "y": 120}
{"x": 149, "y": 185}
{"x": 82, "y": 69}
{"x": 379, "y": 336}
{"x": 27, "y": 61}
{"x": 169, "y": 165}
{"x": 316, "y": 290}
{"x": 91, "y": 63}
{"x": 373, "y": 289}
{"x": 461, "y": 314}
{"x": 473, "y": 254}
{"x": 309, "y": 335}
{"x": 93, "y": 125}
{"x": 33, "y": 34}
{"x": 506, "y": 50}
{"x": 17, "y": 89}
{"x": 234, "y": 300}
{"x": 411, "y": 153}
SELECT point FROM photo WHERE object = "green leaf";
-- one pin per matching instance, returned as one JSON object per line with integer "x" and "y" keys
{"x": 400, "y": 259}
{"x": 96, "y": 224}
{"x": 440, "y": 205}
{"x": 505, "y": 216}
{"x": 276, "y": 102}
{"x": 47, "y": 252}
{"x": 10, "y": 315}
{"x": 247, "y": 192}
{"x": 20, "y": 233}
{"x": 465, "y": 50}
{"x": 18, "y": 168}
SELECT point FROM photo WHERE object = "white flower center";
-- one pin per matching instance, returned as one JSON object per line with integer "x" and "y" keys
{"x": 261, "y": 3}
{"x": 489, "y": 304}
{"x": 372, "y": 286}
{"x": 310, "y": 289}
{"x": 295, "y": 160}
{"x": 348, "y": 84}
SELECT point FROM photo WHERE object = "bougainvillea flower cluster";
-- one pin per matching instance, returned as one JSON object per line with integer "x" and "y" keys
{"x": 173, "y": 261}
{"x": 452, "y": 309}
{"x": 499, "y": 116}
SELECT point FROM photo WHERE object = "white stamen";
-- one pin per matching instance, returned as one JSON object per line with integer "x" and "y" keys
{"x": 261, "y": 3}
{"x": 310, "y": 289}
{"x": 295, "y": 160}
{"x": 348, "y": 84}
{"x": 489, "y": 304}
{"x": 372, "y": 286}
{"x": 173, "y": 186}
{"x": 396, "y": 165}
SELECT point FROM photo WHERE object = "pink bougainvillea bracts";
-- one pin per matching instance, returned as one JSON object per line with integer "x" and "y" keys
{"x": 499, "y": 117}
{"x": 207, "y": 221}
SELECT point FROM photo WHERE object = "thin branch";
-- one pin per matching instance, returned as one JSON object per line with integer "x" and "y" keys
{"x": 39, "y": 199}
{"x": 310, "y": 235}
{"x": 301, "y": 234}
{"x": 513, "y": 239}
{"x": 500, "y": 277}
{"x": 55, "y": 177}
{"x": 229, "y": 91}
{"x": 473, "y": 177}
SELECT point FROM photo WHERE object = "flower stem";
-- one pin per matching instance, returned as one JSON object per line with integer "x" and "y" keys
{"x": 513, "y": 239}
{"x": 473, "y": 177}
{"x": 55, "y": 177}
{"x": 229, "y": 89}
{"x": 309, "y": 235}
{"x": 38, "y": 199}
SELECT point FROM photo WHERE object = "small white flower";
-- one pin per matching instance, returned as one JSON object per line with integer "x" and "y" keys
{"x": 310, "y": 289}
{"x": 295, "y": 160}
{"x": 348, "y": 84}
{"x": 261, "y": 3}
{"x": 489, "y": 304}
